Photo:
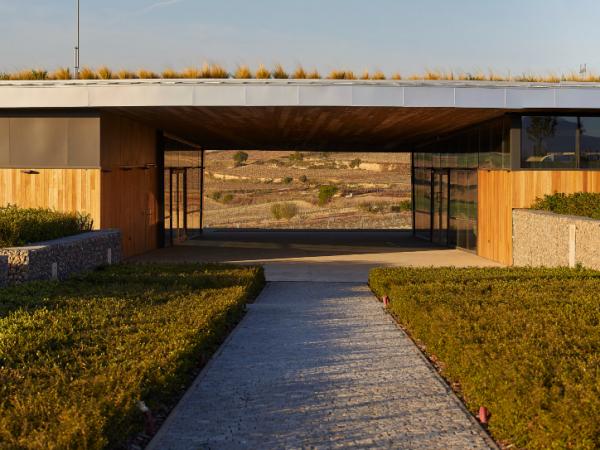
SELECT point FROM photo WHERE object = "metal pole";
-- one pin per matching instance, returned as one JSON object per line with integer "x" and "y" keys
{"x": 77, "y": 39}
{"x": 201, "y": 189}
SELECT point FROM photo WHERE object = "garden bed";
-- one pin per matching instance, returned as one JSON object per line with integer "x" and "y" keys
{"x": 522, "y": 342}
{"x": 77, "y": 356}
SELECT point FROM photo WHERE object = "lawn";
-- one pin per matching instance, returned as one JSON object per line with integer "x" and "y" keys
{"x": 523, "y": 342}
{"x": 75, "y": 357}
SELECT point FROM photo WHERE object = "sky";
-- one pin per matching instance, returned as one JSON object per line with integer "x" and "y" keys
{"x": 507, "y": 36}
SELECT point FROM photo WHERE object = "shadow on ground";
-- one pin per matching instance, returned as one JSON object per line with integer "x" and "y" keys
{"x": 315, "y": 255}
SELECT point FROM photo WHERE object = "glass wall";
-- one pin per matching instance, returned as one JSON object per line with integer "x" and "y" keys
{"x": 549, "y": 142}
{"x": 445, "y": 179}
{"x": 560, "y": 142}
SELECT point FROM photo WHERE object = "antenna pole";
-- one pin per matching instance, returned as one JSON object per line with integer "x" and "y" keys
{"x": 77, "y": 39}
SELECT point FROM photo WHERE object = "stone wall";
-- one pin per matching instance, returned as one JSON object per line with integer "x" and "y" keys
{"x": 3, "y": 270}
{"x": 543, "y": 238}
{"x": 60, "y": 258}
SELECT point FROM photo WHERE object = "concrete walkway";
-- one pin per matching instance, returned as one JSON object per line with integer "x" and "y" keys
{"x": 319, "y": 365}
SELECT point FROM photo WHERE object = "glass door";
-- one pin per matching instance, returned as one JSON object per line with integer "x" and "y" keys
{"x": 441, "y": 196}
{"x": 177, "y": 211}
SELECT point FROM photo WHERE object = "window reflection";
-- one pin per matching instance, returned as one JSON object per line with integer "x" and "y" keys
{"x": 590, "y": 142}
{"x": 548, "y": 142}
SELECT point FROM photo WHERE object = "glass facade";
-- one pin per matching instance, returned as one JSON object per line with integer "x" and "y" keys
{"x": 445, "y": 181}
{"x": 560, "y": 142}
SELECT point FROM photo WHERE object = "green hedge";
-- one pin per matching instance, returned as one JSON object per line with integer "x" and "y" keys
{"x": 75, "y": 357}
{"x": 21, "y": 226}
{"x": 579, "y": 204}
{"x": 523, "y": 342}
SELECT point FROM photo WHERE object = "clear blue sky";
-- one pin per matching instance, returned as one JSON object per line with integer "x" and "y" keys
{"x": 392, "y": 35}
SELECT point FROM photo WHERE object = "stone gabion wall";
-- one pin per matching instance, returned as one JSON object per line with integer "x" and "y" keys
{"x": 61, "y": 258}
{"x": 3, "y": 270}
{"x": 543, "y": 238}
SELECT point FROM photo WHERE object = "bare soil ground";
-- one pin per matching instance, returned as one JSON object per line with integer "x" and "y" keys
{"x": 372, "y": 190}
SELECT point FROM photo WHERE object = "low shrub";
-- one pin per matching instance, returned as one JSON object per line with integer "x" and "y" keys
{"x": 75, "y": 357}
{"x": 21, "y": 226}
{"x": 239, "y": 158}
{"x": 579, "y": 204}
{"x": 284, "y": 210}
{"x": 287, "y": 180}
{"x": 404, "y": 205}
{"x": 355, "y": 163}
{"x": 227, "y": 198}
{"x": 326, "y": 193}
{"x": 373, "y": 208}
{"x": 303, "y": 178}
{"x": 521, "y": 341}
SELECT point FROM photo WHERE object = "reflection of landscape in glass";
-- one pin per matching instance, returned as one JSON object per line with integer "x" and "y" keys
{"x": 590, "y": 142}
{"x": 307, "y": 190}
{"x": 549, "y": 141}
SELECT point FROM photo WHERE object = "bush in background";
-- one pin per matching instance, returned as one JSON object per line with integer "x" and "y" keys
{"x": 404, "y": 205}
{"x": 521, "y": 341}
{"x": 21, "y": 226}
{"x": 355, "y": 163}
{"x": 326, "y": 193}
{"x": 579, "y": 204}
{"x": 240, "y": 158}
{"x": 303, "y": 178}
{"x": 284, "y": 210}
{"x": 373, "y": 208}
{"x": 287, "y": 180}
{"x": 76, "y": 356}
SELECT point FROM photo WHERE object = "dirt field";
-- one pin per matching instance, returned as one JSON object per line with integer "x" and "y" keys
{"x": 280, "y": 189}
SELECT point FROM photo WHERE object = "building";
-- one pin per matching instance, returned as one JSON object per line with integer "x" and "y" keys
{"x": 125, "y": 150}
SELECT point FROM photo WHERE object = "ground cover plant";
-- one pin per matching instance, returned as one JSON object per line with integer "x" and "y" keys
{"x": 20, "y": 226}
{"x": 578, "y": 204}
{"x": 75, "y": 357}
{"x": 521, "y": 341}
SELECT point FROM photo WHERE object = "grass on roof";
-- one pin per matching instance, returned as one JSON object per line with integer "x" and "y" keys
{"x": 279, "y": 72}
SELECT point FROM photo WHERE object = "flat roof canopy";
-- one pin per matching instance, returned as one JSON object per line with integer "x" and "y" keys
{"x": 298, "y": 114}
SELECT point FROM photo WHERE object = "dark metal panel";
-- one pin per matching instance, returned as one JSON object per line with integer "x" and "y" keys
{"x": 38, "y": 142}
{"x": 84, "y": 142}
{"x": 4, "y": 142}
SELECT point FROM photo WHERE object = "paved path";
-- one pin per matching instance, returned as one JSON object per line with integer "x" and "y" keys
{"x": 318, "y": 365}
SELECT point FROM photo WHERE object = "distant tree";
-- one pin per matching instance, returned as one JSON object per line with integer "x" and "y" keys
{"x": 540, "y": 128}
{"x": 296, "y": 156}
{"x": 355, "y": 163}
{"x": 287, "y": 180}
{"x": 303, "y": 178}
{"x": 326, "y": 193}
{"x": 239, "y": 158}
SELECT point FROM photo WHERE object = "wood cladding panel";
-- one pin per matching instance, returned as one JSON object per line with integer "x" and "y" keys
{"x": 307, "y": 127}
{"x": 494, "y": 215}
{"x": 130, "y": 182}
{"x": 499, "y": 192}
{"x": 72, "y": 190}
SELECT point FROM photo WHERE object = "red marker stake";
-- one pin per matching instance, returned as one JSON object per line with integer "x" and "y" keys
{"x": 484, "y": 415}
{"x": 386, "y": 301}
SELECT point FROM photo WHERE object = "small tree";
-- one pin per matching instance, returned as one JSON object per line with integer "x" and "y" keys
{"x": 284, "y": 210}
{"x": 303, "y": 178}
{"x": 326, "y": 193}
{"x": 355, "y": 163}
{"x": 239, "y": 158}
{"x": 287, "y": 180}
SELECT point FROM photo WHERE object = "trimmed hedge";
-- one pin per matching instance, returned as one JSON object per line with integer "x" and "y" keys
{"x": 585, "y": 204}
{"x": 21, "y": 226}
{"x": 523, "y": 342}
{"x": 75, "y": 357}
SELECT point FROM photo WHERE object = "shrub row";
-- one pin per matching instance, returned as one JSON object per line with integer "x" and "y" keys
{"x": 521, "y": 341}
{"x": 579, "y": 204}
{"x": 76, "y": 357}
{"x": 20, "y": 226}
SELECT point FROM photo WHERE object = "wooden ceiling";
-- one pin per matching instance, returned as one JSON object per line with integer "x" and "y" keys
{"x": 308, "y": 128}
